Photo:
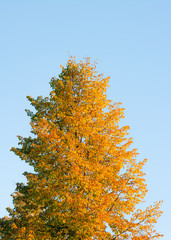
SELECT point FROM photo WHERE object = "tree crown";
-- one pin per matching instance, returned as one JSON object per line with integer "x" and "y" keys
{"x": 87, "y": 182}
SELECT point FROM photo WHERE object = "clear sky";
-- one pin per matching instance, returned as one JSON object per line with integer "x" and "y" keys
{"x": 131, "y": 40}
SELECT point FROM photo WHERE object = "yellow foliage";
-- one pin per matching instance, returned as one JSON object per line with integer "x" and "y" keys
{"x": 86, "y": 177}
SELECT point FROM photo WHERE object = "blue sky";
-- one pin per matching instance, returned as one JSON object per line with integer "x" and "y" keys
{"x": 131, "y": 40}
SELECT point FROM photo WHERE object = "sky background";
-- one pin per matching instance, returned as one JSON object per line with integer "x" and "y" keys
{"x": 131, "y": 40}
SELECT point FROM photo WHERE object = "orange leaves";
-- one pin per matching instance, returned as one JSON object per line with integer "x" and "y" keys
{"x": 86, "y": 177}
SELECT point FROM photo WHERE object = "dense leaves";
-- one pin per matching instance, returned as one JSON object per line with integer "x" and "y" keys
{"x": 86, "y": 182}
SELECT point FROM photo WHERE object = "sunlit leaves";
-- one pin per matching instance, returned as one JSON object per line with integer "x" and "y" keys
{"x": 86, "y": 177}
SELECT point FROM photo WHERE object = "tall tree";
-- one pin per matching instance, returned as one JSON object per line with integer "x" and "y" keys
{"x": 86, "y": 182}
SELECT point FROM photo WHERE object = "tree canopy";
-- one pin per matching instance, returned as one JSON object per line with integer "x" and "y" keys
{"x": 87, "y": 182}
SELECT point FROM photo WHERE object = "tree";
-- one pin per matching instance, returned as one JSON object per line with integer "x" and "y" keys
{"x": 86, "y": 182}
